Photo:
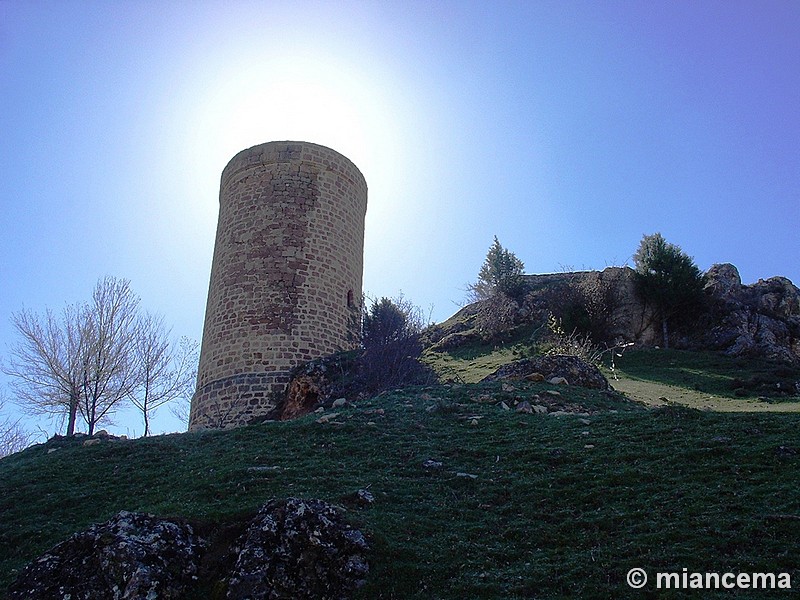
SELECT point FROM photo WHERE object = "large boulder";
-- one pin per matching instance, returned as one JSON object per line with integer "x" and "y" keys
{"x": 299, "y": 549}
{"x": 131, "y": 556}
{"x": 575, "y": 370}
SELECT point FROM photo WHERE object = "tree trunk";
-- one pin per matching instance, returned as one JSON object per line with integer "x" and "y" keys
{"x": 665, "y": 332}
{"x": 73, "y": 415}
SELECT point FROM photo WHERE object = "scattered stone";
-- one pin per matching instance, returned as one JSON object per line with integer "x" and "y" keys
{"x": 508, "y": 388}
{"x": 91, "y": 441}
{"x": 559, "y": 413}
{"x": 299, "y": 549}
{"x": 51, "y": 450}
{"x": 466, "y": 475}
{"x": 524, "y": 407}
{"x": 539, "y": 409}
{"x": 339, "y": 403}
{"x": 589, "y": 446}
{"x": 327, "y": 418}
{"x": 131, "y": 556}
{"x": 536, "y": 377}
{"x": 558, "y": 381}
{"x": 786, "y": 451}
{"x": 259, "y": 469}
{"x": 365, "y": 497}
{"x": 505, "y": 406}
{"x": 431, "y": 464}
{"x": 585, "y": 421}
{"x": 553, "y": 393}
{"x": 473, "y": 422}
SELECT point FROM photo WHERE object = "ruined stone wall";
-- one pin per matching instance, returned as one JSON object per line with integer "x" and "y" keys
{"x": 286, "y": 276}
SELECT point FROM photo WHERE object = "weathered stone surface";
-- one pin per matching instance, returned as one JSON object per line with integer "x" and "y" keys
{"x": 571, "y": 368}
{"x": 320, "y": 382}
{"x": 293, "y": 549}
{"x": 133, "y": 556}
{"x": 285, "y": 279}
{"x": 762, "y": 319}
{"x": 723, "y": 279}
{"x": 299, "y": 549}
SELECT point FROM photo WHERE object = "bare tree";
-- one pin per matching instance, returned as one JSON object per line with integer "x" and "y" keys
{"x": 165, "y": 371}
{"x": 47, "y": 362}
{"x": 109, "y": 371}
{"x": 78, "y": 363}
{"x": 13, "y": 437}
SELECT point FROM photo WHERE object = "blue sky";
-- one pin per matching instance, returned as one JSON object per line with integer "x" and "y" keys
{"x": 567, "y": 129}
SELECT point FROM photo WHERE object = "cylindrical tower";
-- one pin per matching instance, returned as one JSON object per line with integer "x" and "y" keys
{"x": 286, "y": 276}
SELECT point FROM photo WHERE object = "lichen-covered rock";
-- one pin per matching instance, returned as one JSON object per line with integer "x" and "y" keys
{"x": 574, "y": 370}
{"x": 299, "y": 549}
{"x": 133, "y": 556}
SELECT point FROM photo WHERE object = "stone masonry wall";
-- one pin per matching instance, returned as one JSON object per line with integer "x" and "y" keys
{"x": 286, "y": 276}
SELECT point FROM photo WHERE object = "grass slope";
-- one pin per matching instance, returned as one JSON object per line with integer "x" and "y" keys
{"x": 523, "y": 506}
{"x": 707, "y": 380}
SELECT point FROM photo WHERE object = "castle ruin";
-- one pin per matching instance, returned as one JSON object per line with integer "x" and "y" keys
{"x": 286, "y": 276}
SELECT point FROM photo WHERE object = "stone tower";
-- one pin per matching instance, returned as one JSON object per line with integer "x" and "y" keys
{"x": 286, "y": 276}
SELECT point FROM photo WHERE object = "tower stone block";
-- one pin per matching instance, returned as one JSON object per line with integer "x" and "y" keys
{"x": 285, "y": 279}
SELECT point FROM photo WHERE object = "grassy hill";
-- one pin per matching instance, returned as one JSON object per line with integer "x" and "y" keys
{"x": 522, "y": 506}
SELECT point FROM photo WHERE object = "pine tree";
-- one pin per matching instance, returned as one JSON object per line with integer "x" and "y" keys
{"x": 668, "y": 279}
{"x": 501, "y": 272}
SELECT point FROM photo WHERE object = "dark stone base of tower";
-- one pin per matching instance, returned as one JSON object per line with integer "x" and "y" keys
{"x": 286, "y": 277}
{"x": 246, "y": 396}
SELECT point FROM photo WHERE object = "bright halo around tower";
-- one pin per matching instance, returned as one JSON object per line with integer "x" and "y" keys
{"x": 314, "y": 100}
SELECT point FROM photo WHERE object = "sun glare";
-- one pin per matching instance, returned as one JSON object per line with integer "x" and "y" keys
{"x": 359, "y": 110}
{"x": 307, "y": 100}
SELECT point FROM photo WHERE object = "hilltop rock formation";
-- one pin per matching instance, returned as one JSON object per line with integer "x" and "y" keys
{"x": 762, "y": 319}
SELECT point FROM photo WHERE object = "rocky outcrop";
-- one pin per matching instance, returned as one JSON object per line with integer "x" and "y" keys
{"x": 571, "y": 369}
{"x": 762, "y": 319}
{"x": 131, "y": 556}
{"x": 299, "y": 549}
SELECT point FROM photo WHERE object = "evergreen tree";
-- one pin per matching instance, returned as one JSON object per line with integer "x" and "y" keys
{"x": 501, "y": 272}
{"x": 668, "y": 279}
